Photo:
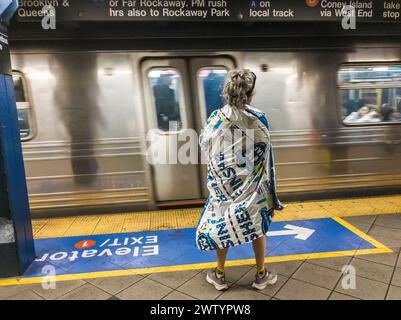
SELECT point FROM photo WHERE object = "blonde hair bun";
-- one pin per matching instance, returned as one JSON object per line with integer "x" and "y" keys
{"x": 238, "y": 87}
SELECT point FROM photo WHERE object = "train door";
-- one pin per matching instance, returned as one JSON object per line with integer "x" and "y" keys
{"x": 180, "y": 93}
{"x": 208, "y": 76}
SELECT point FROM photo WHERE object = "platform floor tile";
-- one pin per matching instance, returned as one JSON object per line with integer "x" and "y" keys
{"x": 299, "y": 290}
{"x": 145, "y": 289}
{"x": 86, "y": 292}
{"x": 394, "y": 293}
{"x": 366, "y": 289}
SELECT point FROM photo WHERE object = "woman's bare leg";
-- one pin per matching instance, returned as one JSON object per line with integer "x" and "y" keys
{"x": 216, "y": 277}
{"x": 221, "y": 258}
{"x": 259, "y": 248}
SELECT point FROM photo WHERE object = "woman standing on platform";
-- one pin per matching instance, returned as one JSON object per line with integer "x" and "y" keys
{"x": 241, "y": 180}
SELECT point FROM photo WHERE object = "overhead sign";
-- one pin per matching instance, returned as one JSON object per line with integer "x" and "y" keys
{"x": 155, "y": 251}
{"x": 210, "y": 10}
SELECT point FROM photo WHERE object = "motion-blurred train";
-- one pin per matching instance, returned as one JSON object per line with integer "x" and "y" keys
{"x": 84, "y": 117}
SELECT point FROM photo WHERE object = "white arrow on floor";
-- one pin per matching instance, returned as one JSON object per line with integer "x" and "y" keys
{"x": 301, "y": 233}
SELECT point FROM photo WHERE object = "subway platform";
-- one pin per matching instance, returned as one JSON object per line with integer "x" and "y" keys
{"x": 152, "y": 255}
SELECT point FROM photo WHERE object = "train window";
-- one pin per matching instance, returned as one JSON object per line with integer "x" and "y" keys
{"x": 370, "y": 94}
{"x": 25, "y": 117}
{"x": 167, "y": 97}
{"x": 211, "y": 81}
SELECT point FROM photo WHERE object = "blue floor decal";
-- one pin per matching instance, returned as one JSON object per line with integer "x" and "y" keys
{"x": 150, "y": 249}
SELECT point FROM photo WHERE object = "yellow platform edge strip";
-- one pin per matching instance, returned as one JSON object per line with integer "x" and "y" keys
{"x": 380, "y": 248}
{"x": 187, "y": 218}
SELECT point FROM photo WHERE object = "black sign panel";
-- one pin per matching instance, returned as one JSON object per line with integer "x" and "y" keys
{"x": 5, "y": 64}
{"x": 210, "y": 10}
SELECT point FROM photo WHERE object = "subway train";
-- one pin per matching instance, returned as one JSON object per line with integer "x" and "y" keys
{"x": 88, "y": 116}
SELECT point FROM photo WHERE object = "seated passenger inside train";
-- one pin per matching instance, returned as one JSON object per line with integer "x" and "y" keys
{"x": 389, "y": 113}
{"x": 386, "y": 110}
{"x": 370, "y": 113}
{"x": 395, "y": 117}
{"x": 351, "y": 105}
{"x": 367, "y": 113}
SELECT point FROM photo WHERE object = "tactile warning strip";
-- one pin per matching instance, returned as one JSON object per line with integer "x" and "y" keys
{"x": 188, "y": 218}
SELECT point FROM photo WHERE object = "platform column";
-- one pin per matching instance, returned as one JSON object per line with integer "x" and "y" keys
{"x": 17, "y": 249}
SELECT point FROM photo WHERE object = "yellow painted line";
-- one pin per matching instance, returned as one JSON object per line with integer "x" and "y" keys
{"x": 380, "y": 248}
{"x": 361, "y": 234}
{"x": 38, "y": 224}
{"x": 140, "y": 220}
{"x": 110, "y": 224}
{"x": 82, "y": 225}
{"x": 55, "y": 227}
{"x": 197, "y": 266}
